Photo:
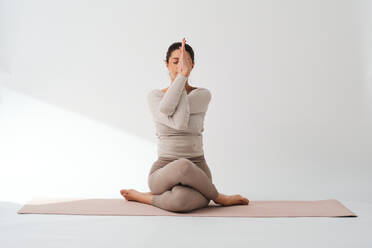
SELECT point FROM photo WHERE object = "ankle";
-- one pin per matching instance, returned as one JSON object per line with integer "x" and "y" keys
{"x": 220, "y": 197}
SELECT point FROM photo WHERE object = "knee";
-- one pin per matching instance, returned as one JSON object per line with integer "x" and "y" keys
{"x": 179, "y": 202}
{"x": 152, "y": 188}
{"x": 185, "y": 166}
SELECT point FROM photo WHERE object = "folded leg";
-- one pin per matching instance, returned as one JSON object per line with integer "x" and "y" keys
{"x": 180, "y": 199}
{"x": 182, "y": 172}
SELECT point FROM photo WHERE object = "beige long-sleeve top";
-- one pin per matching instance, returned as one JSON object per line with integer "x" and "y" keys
{"x": 179, "y": 119}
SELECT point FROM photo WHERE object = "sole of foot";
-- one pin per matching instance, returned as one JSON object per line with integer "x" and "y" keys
{"x": 227, "y": 200}
{"x": 134, "y": 195}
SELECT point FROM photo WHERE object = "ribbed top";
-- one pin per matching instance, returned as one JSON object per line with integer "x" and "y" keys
{"x": 179, "y": 118}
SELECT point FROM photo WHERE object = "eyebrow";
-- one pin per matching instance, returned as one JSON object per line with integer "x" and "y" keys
{"x": 175, "y": 58}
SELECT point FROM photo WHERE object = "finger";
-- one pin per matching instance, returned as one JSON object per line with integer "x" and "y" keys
{"x": 181, "y": 55}
{"x": 181, "y": 49}
{"x": 183, "y": 43}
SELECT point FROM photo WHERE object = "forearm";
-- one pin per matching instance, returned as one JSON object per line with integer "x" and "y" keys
{"x": 173, "y": 95}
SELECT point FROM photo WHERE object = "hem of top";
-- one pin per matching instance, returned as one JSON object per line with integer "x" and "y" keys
{"x": 177, "y": 157}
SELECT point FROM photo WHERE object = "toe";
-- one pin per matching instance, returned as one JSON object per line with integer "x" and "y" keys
{"x": 124, "y": 192}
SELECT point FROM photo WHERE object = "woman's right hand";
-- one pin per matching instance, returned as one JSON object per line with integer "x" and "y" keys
{"x": 185, "y": 63}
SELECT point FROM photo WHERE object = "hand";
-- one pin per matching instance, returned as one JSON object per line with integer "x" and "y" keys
{"x": 185, "y": 63}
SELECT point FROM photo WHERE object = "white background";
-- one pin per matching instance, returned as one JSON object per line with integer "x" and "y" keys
{"x": 291, "y": 109}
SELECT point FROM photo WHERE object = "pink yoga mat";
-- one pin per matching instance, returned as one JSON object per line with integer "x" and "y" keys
{"x": 116, "y": 206}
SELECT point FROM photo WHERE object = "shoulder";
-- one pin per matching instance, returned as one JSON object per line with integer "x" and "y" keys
{"x": 203, "y": 93}
{"x": 154, "y": 93}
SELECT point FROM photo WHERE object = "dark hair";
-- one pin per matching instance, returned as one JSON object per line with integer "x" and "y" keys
{"x": 177, "y": 45}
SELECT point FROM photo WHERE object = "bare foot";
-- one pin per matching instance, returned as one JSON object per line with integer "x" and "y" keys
{"x": 134, "y": 195}
{"x": 227, "y": 200}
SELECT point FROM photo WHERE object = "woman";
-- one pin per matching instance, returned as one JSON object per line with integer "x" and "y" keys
{"x": 180, "y": 179}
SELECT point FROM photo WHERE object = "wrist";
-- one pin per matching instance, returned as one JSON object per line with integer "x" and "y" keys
{"x": 185, "y": 74}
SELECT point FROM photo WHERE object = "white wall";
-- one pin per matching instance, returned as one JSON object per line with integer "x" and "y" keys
{"x": 291, "y": 111}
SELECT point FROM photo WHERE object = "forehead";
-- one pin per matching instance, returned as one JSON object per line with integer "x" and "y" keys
{"x": 176, "y": 54}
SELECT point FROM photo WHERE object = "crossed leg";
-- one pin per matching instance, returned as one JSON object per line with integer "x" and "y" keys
{"x": 181, "y": 186}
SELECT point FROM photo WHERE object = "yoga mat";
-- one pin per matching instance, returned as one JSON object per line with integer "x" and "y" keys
{"x": 116, "y": 206}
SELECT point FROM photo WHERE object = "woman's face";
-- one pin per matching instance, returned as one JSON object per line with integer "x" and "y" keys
{"x": 174, "y": 62}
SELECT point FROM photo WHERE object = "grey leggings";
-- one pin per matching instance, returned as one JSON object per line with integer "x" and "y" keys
{"x": 181, "y": 185}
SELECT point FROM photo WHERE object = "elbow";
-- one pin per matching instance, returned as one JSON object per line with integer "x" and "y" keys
{"x": 167, "y": 110}
{"x": 181, "y": 126}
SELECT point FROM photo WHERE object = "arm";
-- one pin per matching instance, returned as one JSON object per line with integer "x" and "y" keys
{"x": 200, "y": 100}
{"x": 172, "y": 97}
{"x": 175, "y": 115}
